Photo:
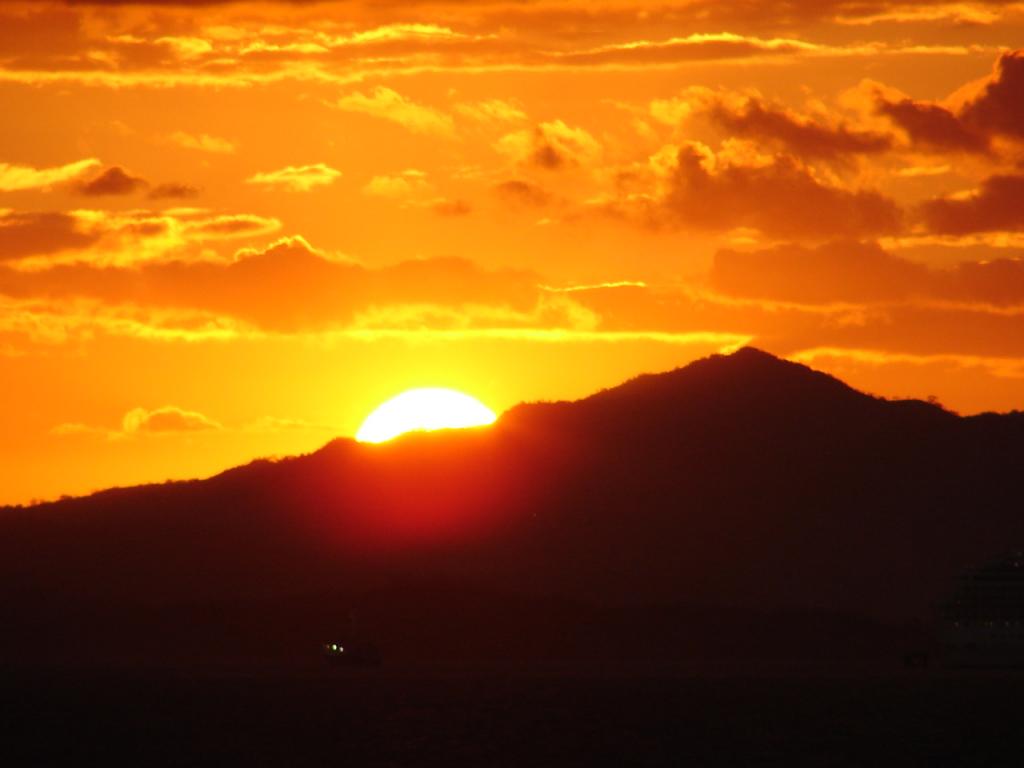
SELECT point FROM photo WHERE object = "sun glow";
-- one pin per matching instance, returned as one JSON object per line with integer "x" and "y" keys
{"x": 424, "y": 409}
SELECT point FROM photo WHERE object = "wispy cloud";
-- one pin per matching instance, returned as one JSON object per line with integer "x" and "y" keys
{"x": 301, "y": 178}
{"x": 202, "y": 142}
{"x": 387, "y": 104}
{"x": 14, "y": 178}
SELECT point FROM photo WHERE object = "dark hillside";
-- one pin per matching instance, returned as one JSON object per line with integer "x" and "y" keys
{"x": 741, "y": 505}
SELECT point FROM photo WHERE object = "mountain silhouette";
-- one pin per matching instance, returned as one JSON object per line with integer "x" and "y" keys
{"x": 740, "y": 506}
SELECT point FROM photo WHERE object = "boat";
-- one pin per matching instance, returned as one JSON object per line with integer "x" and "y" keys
{"x": 352, "y": 653}
{"x": 353, "y": 649}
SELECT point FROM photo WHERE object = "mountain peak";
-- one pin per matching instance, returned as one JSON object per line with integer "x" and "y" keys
{"x": 748, "y": 374}
{"x": 752, "y": 353}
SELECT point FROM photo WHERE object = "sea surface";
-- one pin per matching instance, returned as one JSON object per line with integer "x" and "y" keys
{"x": 445, "y": 718}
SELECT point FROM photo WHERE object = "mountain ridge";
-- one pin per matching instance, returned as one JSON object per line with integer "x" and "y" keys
{"x": 745, "y": 356}
{"x": 738, "y": 488}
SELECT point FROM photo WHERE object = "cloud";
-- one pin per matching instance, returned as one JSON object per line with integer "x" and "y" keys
{"x": 936, "y": 11}
{"x": 495, "y": 111}
{"x": 522, "y": 194}
{"x": 25, "y": 325}
{"x": 41, "y": 234}
{"x": 919, "y": 329}
{"x": 786, "y": 14}
{"x": 444, "y": 207}
{"x": 33, "y": 325}
{"x": 753, "y": 118}
{"x": 909, "y": 124}
{"x": 697, "y": 46}
{"x": 998, "y": 108}
{"x": 408, "y": 183}
{"x": 113, "y": 181}
{"x": 203, "y": 226}
{"x": 186, "y": 47}
{"x": 173, "y": 191}
{"x": 121, "y": 237}
{"x": 237, "y": 45}
{"x": 691, "y": 186}
{"x": 297, "y": 178}
{"x": 998, "y": 204}
{"x": 919, "y": 171}
{"x": 970, "y": 119}
{"x": 287, "y": 287}
{"x": 552, "y": 146}
{"x": 863, "y": 273}
{"x": 15, "y": 178}
{"x": 290, "y": 288}
{"x": 202, "y": 142}
{"x": 833, "y": 272}
{"x": 932, "y": 127}
{"x": 167, "y": 419}
{"x": 390, "y": 105}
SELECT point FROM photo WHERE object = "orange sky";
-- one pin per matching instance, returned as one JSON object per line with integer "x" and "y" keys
{"x": 229, "y": 230}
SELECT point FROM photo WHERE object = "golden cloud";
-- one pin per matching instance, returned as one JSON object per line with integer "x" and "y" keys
{"x": 408, "y": 183}
{"x": 168, "y": 418}
{"x": 14, "y": 178}
{"x": 551, "y": 146}
{"x": 100, "y": 237}
{"x": 203, "y": 142}
{"x": 386, "y": 104}
{"x": 694, "y": 187}
{"x": 300, "y": 178}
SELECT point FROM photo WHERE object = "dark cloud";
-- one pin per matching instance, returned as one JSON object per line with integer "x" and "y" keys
{"x": 113, "y": 181}
{"x": 915, "y": 329}
{"x": 999, "y": 107}
{"x": 855, "y": 296}
{"x": 173, "y": 191}
{"x": 861, "y": 273}
{"x": 122, "y": 236}
{"x": 522, "y": 194}
{"x": 790, "y": 14}
{"x": 997, "y": 205}
{"x": 780, "y": 199}
{"x": 40, "y": 234}
{"x": 231, "y": 226}
{"x": 833, "y": 272}
{"x": 182, "y": 3}
{"x": 933, "y": 127}
{"x": 452, "y": 208}
{"x": 286, "y": 287}
{"x": 1000, "y": 282}
{"x": 996, "y": 110}
{"x": 545, "y": 155}
{"x": 800, "y": 136}
{"x": 866, "y": 300}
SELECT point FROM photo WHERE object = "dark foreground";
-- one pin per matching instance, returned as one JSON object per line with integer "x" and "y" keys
{"x": 390, "y": 718}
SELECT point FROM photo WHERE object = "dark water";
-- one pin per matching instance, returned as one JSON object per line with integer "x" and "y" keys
{"x": 396, "y": 719}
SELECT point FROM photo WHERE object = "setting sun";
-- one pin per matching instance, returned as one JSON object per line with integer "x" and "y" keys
{"x": 424, "y": 409}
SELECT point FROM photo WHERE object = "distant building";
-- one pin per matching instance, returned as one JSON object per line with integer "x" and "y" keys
{"x": 986, "y": 610}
